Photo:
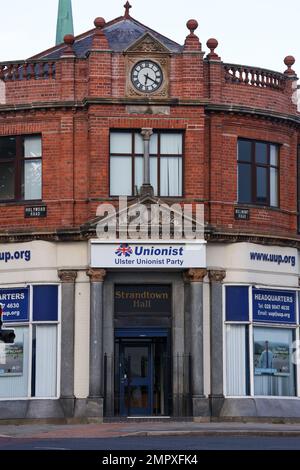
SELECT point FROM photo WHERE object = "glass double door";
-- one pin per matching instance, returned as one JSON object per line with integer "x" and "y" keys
{"x": 143, "y": 378}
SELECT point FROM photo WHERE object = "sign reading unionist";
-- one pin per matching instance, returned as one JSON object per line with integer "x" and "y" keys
{"x": 15, "y": 303}
{"x": 148, "y": 255}
{"x": 273, "y": 306}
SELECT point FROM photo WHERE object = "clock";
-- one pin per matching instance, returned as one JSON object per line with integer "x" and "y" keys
{"x": 147, "y": 76}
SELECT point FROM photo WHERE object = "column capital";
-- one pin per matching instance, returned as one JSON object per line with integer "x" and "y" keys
{"x": 217, "y": 275}
{"x": 194, "y": 275}
{"x": 66, "y": 275}
{"x": 147, "y": 133}
{"x": 96, "y": 275}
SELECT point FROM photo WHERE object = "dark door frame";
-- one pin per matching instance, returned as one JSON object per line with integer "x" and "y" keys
{"x": 127, "y": 381}
{"x": 144, "y": 336}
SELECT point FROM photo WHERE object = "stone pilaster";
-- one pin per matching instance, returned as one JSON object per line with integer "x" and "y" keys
{"x": 216, "y": 340}
{"x": 146, "y": 188}
{"x": 195, "y": 278}
{"x": 96, "y": 392}
{"x": 68, "y": 278}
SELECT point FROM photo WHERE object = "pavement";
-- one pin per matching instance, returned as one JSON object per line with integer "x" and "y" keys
{"x": 146, "y": 429}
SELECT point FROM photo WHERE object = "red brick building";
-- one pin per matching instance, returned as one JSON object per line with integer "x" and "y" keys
{"x": 222, "y": 135}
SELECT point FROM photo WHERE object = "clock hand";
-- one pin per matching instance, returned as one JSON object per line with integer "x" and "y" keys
{"x": 149, "y": 78}
{"x": 146, "y": 78}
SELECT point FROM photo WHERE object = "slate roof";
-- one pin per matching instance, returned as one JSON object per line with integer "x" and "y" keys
{"x": 120, "y": 33}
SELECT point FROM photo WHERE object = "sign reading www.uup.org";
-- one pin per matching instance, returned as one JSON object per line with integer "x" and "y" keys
{"x": 164, "y": 254}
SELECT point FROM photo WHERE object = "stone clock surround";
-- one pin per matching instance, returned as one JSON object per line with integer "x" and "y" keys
{"x": 148, "y": 48}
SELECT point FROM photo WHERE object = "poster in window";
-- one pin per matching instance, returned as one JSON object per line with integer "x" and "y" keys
{"x": 11, "y": 359}
{"x": 271, "y": 358}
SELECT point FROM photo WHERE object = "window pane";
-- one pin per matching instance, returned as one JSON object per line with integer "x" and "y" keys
{"x": 33, "y": 180}
{"x": 120, "y": 176}
{"x": 244, "y": 182}
{"x": 139, "y": 144}
{"x": 14, "y": 362}
{"x": 236, "y": 360}
{"x": 45, "y": 303}
{"x": 261, "y": 184}
{"x": 120, "y": 142}
{"x": 171, "y": 144}
{"x": 153, "y": 174}
{"x": 32, "y": 147}
{"x": 244, "y": 150}
{"x": 7, "y": 147}
{"x": 274, "y": 155}
{"x": 261, "y": 152}
{"x": 154, "y": 144}
{"x": 274, "y": 372}
{"x": 170, "y": 176}
{"x": 7, "y": 181}
{"x": 138, "y": 168}
{"x": 45, "y": 361}
{"x": 274, "y": 187}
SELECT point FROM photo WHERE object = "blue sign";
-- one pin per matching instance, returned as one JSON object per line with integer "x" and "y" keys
{"x": 237, "y": 304}
{"x": 274, "y": 306}
{"x": 14, "y": 303}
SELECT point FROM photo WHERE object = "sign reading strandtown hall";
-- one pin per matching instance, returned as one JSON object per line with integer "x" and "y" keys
{"x": 153, "y": 299}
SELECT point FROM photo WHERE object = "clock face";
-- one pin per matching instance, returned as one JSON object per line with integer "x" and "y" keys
{"x": 147, "y": 76}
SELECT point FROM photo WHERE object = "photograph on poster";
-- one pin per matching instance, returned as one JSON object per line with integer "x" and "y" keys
{"x": 11, "y": 359}
{"x": 271, "y": 357}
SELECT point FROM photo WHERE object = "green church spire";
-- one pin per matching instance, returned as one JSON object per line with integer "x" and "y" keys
{"x": 64, "y": 20}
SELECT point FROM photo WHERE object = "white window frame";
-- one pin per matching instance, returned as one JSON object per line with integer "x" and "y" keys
{"x": 30, "y": 323}
{"x": 252, "y": 325}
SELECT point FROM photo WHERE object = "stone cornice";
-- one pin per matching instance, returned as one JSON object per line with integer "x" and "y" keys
{"x": 209, "y": 107}
{"x": 211, "y": 235}
{"x": 258, "y": 112}
{"x": 261, "y": 239}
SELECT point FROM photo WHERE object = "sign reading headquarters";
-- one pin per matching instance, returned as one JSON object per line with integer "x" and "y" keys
{"x": 273, "y": 306}
{"x": 268, "y": 305}
{"x": 14, "y": 304}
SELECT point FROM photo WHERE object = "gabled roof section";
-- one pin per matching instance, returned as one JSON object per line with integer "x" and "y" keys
{"x": 170, "y": 217}
{"x": 147, "y": 43}
{"x": 121, "y": 33}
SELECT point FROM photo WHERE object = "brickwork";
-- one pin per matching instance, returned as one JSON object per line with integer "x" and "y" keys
{"x": 75, "y": 109}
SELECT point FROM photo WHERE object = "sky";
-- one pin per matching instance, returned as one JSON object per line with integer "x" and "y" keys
{"x": 258, "y": 32}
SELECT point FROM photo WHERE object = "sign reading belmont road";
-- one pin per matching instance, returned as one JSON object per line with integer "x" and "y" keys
{"x": 148, "y": 255}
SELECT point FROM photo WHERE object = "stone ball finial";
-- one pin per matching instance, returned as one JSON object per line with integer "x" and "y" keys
{"x": 99, "y": 22}
{"x": 289, "y": 62}
{"x": 212, "y": 44}
{"x": 69, "y": 40}
{"x": 192, "y": 25}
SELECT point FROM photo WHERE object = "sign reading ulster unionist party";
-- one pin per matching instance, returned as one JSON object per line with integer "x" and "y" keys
{"x": 273, "y": 306}
{"x": 14, "y": 304}
{"x": 147, "y": 255}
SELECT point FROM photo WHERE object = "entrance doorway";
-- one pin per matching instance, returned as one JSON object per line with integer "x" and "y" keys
{"x": 142, "y": 376}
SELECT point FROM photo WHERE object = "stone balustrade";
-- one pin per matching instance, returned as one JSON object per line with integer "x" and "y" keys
{"x": 254, "y": 76}
{"x": 27, "y": 70}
